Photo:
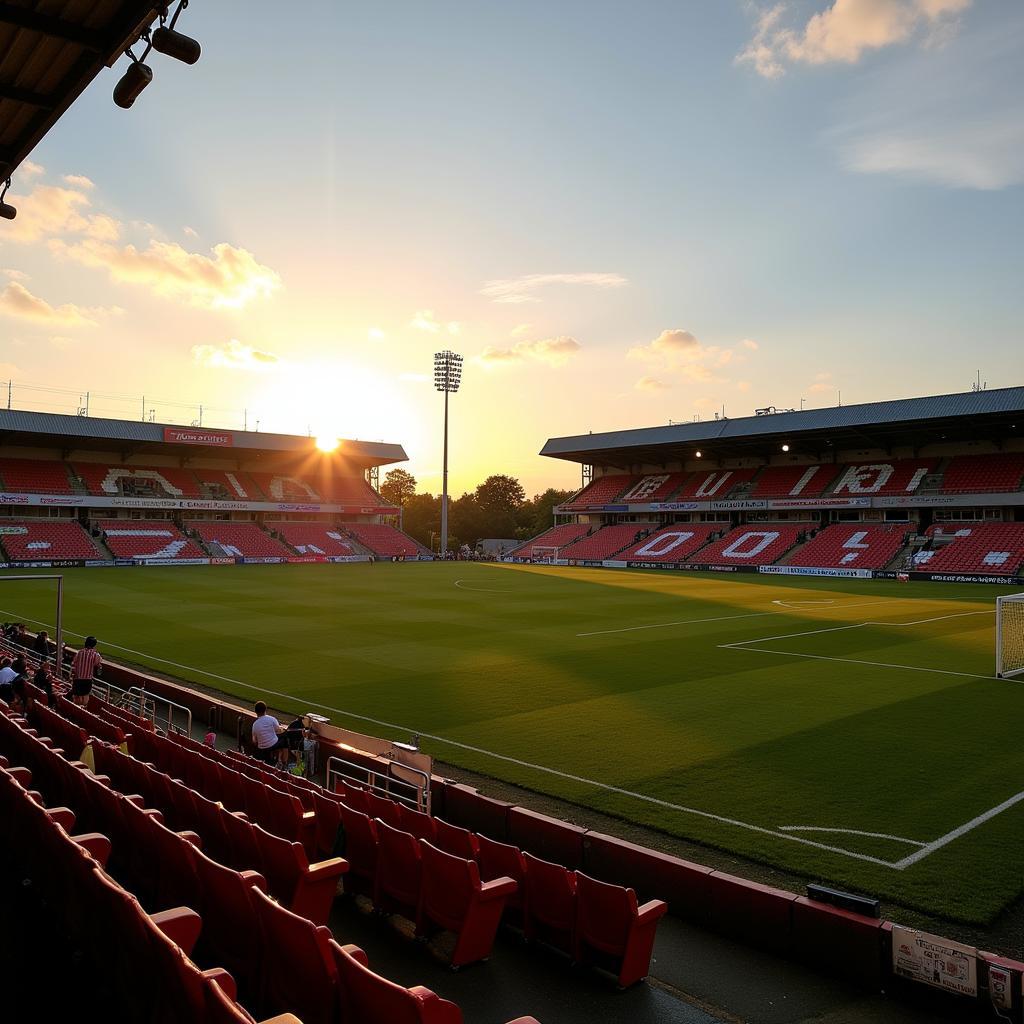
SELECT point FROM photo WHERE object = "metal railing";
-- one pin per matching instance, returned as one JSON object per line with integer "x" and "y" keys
{"x": 161, "y": 711}
{"x": 412, "y": 794}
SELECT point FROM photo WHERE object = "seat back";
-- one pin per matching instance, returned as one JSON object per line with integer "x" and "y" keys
{"x": 604, "y": 913}
{"x": 389, "y": 811}
{"x": 399, "y": 869}
{"x": 418, "y": 824}
{"x": 362, "y": 846}
{"x": 328, "y": 819}
{"x": 497, "y": 860}
{"x": 459, "y": 842}
{"x": 550, "y": 896}
{"x": 283, "y": 863}
{"x": 449, "y": 885}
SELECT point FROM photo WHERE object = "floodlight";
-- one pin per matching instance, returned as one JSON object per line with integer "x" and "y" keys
{"x": 699, "y": 454}
{"x": 133, "y": 81}
{"x": 447, "y": 378}
{"x": 785, "y": 447}
{"x": 177, "y": 45}
{"x": 7, "y": 211}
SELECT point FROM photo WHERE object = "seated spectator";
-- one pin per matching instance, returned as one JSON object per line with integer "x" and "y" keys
{"x": 41, "y": 645}
{"x": 210, "y": 739}
{"x": 7, "y": 677}
{"x": 268, "y": 737}
{"x": 44, "y": 680}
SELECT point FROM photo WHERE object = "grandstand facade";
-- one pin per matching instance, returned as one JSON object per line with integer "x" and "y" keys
{"x": 82, "y": 491}
{"x": 929, "y": 488}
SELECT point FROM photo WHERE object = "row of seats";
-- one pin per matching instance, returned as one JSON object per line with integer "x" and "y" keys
{"x": 673, "y": 543}
{"x": 280, "y": 960}
{"x": 43, "y": 476}
{"x": 42, "y": 540}
{"x": 237, "y": 540}
{"x": 853, "y": 546}
{"x": 147, "y": 538}
{"x": 315, "y": 538}
{"x": 386, "y": 541}
{"x": 992, "y": 548}
{"x": 605, "y": 543}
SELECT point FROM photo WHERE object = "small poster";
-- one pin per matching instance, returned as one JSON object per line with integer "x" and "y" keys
{"x": 934, "y": 960}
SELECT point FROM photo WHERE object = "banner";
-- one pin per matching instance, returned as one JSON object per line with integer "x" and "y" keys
{"x": 193, "y": 435}
{"x": 172, "y": 561}
{"x": 186, "y": 504}
{"x": 222, "y": 561}
{"x": 262, "y": 561}
{"x": 802, "y": 570}
{"x": 933, "y": 960}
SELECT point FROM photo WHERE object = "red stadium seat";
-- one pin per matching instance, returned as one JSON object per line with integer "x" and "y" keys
{"x": 30, "y": 540}
{"x": 497, "y": 860}
{"x": 137, "y": 481}
{"x": 234, "y": 539}
{"x": 793, "y": 481}
{"x": 756, "y": 544}
{"x": 605, "y": 543}
{"x": 315, "y": 539}
{"x": 453, "y": 898}
{"x": 549, "y": 903}
{"x": 715, "y": 484}
{"x": 384, "y": 808}
{"x": 981, "y": 474}
{"x": 385, "y": 540}
{"x": 671, "y": 543}
{"x": 557, "y": 537}
{"x": 147, "y": 538}
{"x": 882, "y": 477}
{"x": 610, "y": 925}
{"x": 459, "y": 842}
{"x": 420, "y": 825}
{"x": 601, "y": 491}
{"x": 995, "y": 549}
{"x": 362, "y": 850}
{"x": 853, "y": 546}
{"x": 399, "y": 870}
{"x": 34, "y": 476}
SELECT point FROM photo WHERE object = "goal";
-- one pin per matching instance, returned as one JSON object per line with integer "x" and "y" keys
{"x": 1010, "y": 636}
{"x": 544, "y": 554}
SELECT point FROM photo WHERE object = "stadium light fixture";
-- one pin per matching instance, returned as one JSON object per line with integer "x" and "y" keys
{"x": 133, "y": 81}
{"x": 177, "y": 45}
{"x": 165, "y": 40}
{"x": 785, "y": 447}
{"x": 699, "y": 454}
{"x": 7, "y": 211}
{"x": 447, "y": 378}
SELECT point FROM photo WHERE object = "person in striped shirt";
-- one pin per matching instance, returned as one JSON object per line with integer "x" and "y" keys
{"x": 85, "y": 668}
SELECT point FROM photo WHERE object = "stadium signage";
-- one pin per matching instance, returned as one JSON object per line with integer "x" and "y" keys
{"x": 184, "y": 504}
{"x": 189, "y": 435}
{"x": 678, "y": 506}
{"x": 802, "y": 570}
{"x": 934, "y": 960}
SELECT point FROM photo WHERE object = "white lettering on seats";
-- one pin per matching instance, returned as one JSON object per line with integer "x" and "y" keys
{"x": 644, "y": 488}
{"x": 996, "y": 558}
{"x": 277, "y": 488}
{"x": 663, "y": 543}
{"x": 735, "y": 549}
{"x": 856, "y": 540}
{"x": 868, "y": 479}
{"x": 713, "y": 484}
{"x": 809, "y": 475}
{"x": 109, "y": 485}
{"x": 236, "y": 486}
{"x": 915, "y": 480}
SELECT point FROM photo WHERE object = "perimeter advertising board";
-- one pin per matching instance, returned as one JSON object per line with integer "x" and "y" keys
{"x": 934, "y": 960}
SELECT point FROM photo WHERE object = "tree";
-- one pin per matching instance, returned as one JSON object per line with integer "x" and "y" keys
{"x": 398, "y": 487}
{"x": 535, "y": 516}
{"x": 500, "y": 493}
{"x": 421, "y": 516}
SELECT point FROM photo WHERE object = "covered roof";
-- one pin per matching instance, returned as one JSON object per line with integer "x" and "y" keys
{"x": 20, "y": 428}
{"x": 970, "y": 415}
{"x": 49, "y": 52}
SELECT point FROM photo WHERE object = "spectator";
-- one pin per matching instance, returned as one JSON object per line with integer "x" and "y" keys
{"x": 7, "y": 677}
{"x": 44, "y": 680}
{"x": 85, "y": 668}
{"x": 20, "y": 636}
{"x": 210, "y": 739}
{"x": 268, "y": 737}
{"x": 41, "y": 645}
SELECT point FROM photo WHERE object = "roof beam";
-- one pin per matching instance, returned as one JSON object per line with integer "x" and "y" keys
{"x": 48, "y": 25}
{"x": 34, "y": 99}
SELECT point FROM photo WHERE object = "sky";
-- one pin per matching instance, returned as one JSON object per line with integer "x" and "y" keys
{"x": 621, "y": 214}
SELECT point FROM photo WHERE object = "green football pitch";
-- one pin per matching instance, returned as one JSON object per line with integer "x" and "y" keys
{"x": 846, "y": 730}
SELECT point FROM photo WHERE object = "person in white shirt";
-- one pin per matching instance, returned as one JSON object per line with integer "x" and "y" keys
{"x": 7, "y": 677}
{"x": 268, "y": 737}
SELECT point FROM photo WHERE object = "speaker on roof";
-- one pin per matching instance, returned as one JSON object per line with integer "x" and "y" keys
{"x": 133, "y": 81}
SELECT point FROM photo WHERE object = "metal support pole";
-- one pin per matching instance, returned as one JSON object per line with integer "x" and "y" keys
{"x": 444, "y": 484}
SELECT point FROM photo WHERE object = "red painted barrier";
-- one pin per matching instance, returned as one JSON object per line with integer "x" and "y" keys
{"x": 757, "y": 914}
{"x": 547, "y": 838}
{"x": 840, "y": 942}
{"x": 684, "y": 886}
{"x": 464, "y": 806}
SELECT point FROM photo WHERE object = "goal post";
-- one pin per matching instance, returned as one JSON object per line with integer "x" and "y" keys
{"x": 544, "y": 553}
{"x": 1010, "y": 636}
{"x": 58, "y": 637}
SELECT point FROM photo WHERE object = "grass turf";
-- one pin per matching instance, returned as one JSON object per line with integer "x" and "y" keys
{"x": 869, "y": 708}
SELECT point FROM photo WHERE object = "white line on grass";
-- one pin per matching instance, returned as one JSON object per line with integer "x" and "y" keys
{"x": 851, "y": 832}
{"x": 461, "y": 584}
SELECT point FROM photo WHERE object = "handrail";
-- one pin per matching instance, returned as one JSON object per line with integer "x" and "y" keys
{"x": 143, "y": 695}
{"x": 418, "y": 798}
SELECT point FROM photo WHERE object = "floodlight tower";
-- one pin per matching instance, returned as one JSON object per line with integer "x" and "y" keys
{"x": 447, "y": 378}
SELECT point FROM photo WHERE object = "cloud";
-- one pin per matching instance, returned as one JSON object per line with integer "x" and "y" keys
{"x": 189, "y": 232}
{"x": 552, "y": 351}
{"x": 523, "y": 289}
{"x": 17, "y": 301}
{"x": 749, "y": 344}
{"x": 79, "y": 181}
{"x": 234, "y": 355}
{"x": 48, "y": 210}
{"x": 844, "y": 31}
{"x": 425, "y": 320}
{"x": 228, "y": 277}
{"x": 678, "y": 351}
{"x": 375, "y": 334}
{"x": 669, "y": 346}
{"x": 650, "y": 384}
{"x": 14, "y": 275}
{"x": 30, "y": 169}
{"x": 520, "y": 329}
{"x": 743, "y": 385}
{"x": 822, "y": 382}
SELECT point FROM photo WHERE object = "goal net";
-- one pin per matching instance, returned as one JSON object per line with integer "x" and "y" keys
{"x": 1010, "y": 636}
{"x": 544, "y": 554}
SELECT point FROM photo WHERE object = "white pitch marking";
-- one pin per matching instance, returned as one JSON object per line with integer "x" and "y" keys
{"x": 851, "y": 832}
{"x": 925, "y": 851}
{"x": 801, "y": 604}
{"x": 461, "y": 584}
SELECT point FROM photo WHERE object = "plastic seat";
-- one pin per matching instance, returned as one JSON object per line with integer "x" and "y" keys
{"x": 496, "y": 860}
{"x": 366, "y": 996}
{"x": 549, "y": 903}
{"x": 298, "y": 972}
{"x": 362, "y": 850}
{"x": 420, "y": 825}
{"x": 306, "y": 889}
{"x": 328, "y": 822}
{"x": 388, "y": 811}
{"x": 397, "y": 886}
{"x": 610, "y": 924}
{"x": 354, "y": 796}
{"x": 243, "y": 850}
{"x": 453, "y": 898}
{"x": 459, "y": 842}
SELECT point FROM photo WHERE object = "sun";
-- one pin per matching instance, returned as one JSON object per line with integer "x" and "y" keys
{"x": 327, "y": 443}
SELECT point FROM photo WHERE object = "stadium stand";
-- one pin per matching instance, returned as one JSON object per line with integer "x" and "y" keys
{"x": 35, "y": 476}
{"x": 881, "y": 478}
{"x": 136, "y": 481}
{"x": 852, "y": 546}
{"x": 347, "y": 490}
{"x": 654, "y": 487}
{"x": 314, "y": 538}
{"x": 247, "y": 540}
{"x": 147, "y": 538}
{"x": 33, "y": 540}
{"x": 605, "y": 543}
{"x": 556, "y": 537}
{"x": 384, "y": 540}
{"x": 793, "y": 481}
{"x": 600, "y": 491}
{"x": 671, "y": 543}
{"x": 718, "y": 483}
{"x": 756, "y": 544}
{"x": 284, "y": 488}
{"x": 979, "y": 474}
{"x": 235, "y": 486}
{"x": 992, "y": 548}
